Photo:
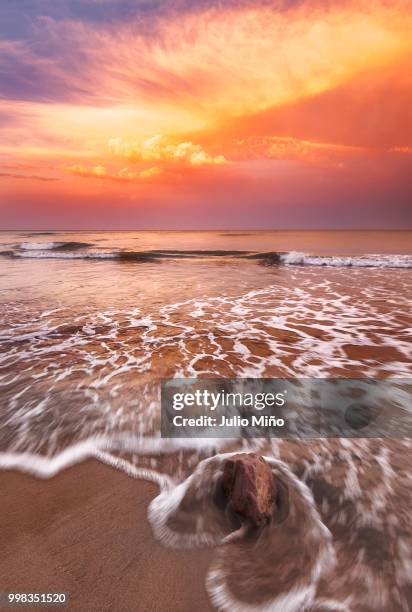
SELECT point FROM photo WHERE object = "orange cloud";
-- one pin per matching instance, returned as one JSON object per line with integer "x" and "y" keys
{"x": 34, "y": 177}
{"x": 99, "y": 171}
{"x": 288, "y": 148}
{"x": 370, "y": 110}
{"x": 130, "y": 175}
{"x": 235, "y": 91}
{"x": 157, "y": 149}
{"x": 205, "y": 66}
{"x": 405, "y": 150}
{"x": 125, "y": 174}
{"x": 240, "y": 60}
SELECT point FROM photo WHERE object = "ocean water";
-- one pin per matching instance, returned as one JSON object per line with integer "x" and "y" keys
{"x": 90, "y": 324}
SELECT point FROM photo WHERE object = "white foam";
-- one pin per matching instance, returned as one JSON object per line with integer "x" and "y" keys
{"x": 357, "y": 261}
{"x": 47, "y": 467}
{"x": 115, "y": 348}
{"x": 100, "y": 446}
{"x": 159, "y": 512}
{"x": 162, "y": 480}
{"x": 64, "y": 255}
{"x": 42, "y": 246}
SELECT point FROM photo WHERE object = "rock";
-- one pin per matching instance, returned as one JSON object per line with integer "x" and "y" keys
{"x": 250, "y": 488}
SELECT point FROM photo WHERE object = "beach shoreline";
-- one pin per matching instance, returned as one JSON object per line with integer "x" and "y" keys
{"x": 85, "y": 532}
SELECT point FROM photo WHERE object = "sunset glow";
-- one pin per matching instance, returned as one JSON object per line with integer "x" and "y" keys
{"x": 205, "y": 114}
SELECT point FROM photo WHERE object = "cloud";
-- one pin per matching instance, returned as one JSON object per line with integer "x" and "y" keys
{"x": 293, "y": 149}
{"x": 98, "y": 171}
{"x": 125, "y": 174}
{"x": 194, "y": 71}
{"x": 157, "y": 149}
{"x": 404, "y": 150}
{"x": 237, "y": 57}
{"x": 33, "y": 177}
{"x": 130, "y": 175}
{"x": 234, "y": 86}
{"x": 29, "y": 76}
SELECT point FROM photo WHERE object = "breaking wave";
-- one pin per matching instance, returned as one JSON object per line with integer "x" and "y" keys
{"x": 61, "y": 253}
{"x": 80, "y": 250}
{"x": 359, "y": 261}
{"x": 51, "y": 246}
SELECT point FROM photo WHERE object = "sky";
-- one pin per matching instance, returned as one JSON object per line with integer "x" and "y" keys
{"x": 205, "y": 114}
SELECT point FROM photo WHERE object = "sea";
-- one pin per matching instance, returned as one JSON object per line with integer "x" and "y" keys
{"x": 92, "y": 322}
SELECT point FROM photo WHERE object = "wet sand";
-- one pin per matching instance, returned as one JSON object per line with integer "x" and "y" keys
{"x": 85, "y": 532}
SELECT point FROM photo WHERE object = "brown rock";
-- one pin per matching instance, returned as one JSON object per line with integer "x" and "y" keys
{"x": 250, "y": 488}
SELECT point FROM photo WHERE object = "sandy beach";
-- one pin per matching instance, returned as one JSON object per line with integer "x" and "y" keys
{"x": 85, "y": 532}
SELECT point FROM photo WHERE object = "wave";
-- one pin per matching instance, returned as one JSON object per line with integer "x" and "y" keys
{"x": 138, "y": 256}
{"x": 78, "y": 250}
{"x": 33, "y": 246}
{"x": 48, "y": 246}
{"x": 237, "y": 234}
{"x": 295, "y": 258}
{"x": 65, "y": 251}
{"x": 36, "y": 234}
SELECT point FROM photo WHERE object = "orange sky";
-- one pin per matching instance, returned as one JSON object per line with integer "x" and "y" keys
{"x": 193, "y": 115}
